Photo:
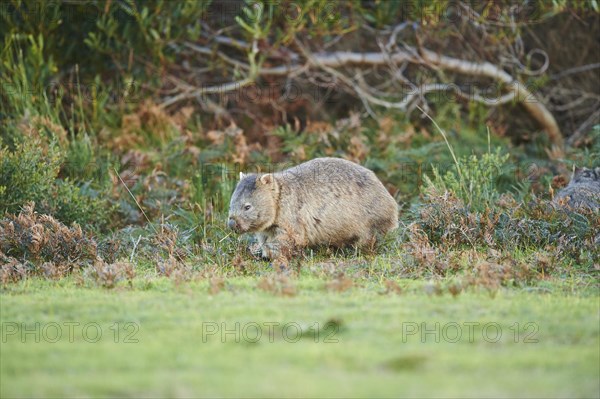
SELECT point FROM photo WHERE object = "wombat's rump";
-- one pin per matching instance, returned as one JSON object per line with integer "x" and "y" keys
{"x": 326, "y": 201}
{"x": 583, "y": 191}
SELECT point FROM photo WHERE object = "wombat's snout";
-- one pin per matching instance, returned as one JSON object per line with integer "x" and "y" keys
{"x": 231, "y": 223}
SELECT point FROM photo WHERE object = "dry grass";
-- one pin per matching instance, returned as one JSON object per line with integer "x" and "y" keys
{"x": 278, "y": 284}
{"x": 31, "y": 243}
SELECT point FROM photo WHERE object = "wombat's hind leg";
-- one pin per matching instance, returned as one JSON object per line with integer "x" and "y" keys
{"x": 367, "y": 243}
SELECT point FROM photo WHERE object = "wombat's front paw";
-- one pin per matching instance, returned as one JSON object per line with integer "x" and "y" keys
{"x": 256, "y": 250}
{"x": 271, "y": 250}
{"x": 265, "y": 250}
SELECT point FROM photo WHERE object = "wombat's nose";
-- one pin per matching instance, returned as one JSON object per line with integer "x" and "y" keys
{"x": 231, "y": 223}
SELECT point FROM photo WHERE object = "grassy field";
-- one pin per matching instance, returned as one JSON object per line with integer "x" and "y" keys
{"x": 242, "y": 339}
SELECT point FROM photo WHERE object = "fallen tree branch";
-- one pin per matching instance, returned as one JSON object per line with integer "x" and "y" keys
{"x": 224, "y": 88}
{"x": 520, "y": 93}
{"x": 529, "y": 101}
{"x": 331, "y": 61}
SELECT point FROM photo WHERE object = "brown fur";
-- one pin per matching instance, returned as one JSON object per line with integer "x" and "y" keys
{"x": 326, "y": 201}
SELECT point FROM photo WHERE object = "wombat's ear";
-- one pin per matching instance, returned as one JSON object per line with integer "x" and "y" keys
{"x": 242, "y": 175}
{"x": 266, "y": 178}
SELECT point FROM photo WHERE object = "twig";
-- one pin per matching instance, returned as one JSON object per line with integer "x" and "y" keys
{"x": 221, "y": 240}
{"x": 136, "y": 201}
{"x": 135, "y": 244}
{"x": 576, "y": 136}
{"x": 572, "y": 71}
{"x": 446, "y": 140}
{"x": 144, "y": 213}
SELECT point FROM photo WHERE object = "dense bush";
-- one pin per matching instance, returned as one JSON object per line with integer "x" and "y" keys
{"x": 29, "y": 173}
{"x": 463, "y": 208}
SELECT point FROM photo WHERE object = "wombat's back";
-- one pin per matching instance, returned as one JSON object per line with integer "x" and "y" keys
{"x": 580, "y": 196}
{"x": 336, "y": 202}
{"x": 583, "y": 191}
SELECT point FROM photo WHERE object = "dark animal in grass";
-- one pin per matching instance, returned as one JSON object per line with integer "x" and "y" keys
{"x": 325, "y": 201}
{"x": 583, "y": 191}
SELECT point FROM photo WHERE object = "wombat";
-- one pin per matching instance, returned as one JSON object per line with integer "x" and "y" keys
{"x": 583, "y": 191}
{"x": 325, "y": 201}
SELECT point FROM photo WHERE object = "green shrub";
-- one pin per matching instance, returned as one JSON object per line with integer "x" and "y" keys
{"x": 472, "y": 179}
{"x": 29, "y": 173}
{"x": 70, "y": 203}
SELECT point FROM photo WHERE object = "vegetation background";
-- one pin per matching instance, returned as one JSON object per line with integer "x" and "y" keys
{"x": 123, "y": 128}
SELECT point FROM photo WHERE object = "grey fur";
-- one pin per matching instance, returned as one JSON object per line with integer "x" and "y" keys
{"x": 583, "y": 191}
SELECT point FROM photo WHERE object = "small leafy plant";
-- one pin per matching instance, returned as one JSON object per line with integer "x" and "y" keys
{"x": 473, "y": 179}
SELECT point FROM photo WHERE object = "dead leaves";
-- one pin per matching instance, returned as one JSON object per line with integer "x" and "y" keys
{"x": 279, "y": 285}
{"x": 340, "y": 283}
{"x": 39, "y": 239}
{"x": 241, "y": 149}
{"x": 392, "y": 287}
{"x": 108, "y": 275}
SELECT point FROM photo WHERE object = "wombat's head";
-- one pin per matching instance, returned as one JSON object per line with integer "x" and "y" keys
{"x": 253, "y": 205}
{"x": 581, "y": 175}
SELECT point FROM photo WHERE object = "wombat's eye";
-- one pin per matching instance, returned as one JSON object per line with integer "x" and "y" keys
{"x": 247, "y": 207}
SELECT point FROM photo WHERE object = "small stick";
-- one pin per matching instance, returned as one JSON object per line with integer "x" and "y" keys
{"x": 143, "y": 213}
{"x": 445, "y": 139}
{"x": 221, "y": 240}
{"x": 136, "y": 201}
{"x": 135, "y": 244}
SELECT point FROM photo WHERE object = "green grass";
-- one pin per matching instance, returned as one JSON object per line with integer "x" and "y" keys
{"x": 373, "y": 356}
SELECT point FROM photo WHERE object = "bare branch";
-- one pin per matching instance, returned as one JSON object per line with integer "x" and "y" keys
{"x": 579, "y": 69}
{"x": 576, "y": 137}
{"x": 224, "y": 88}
